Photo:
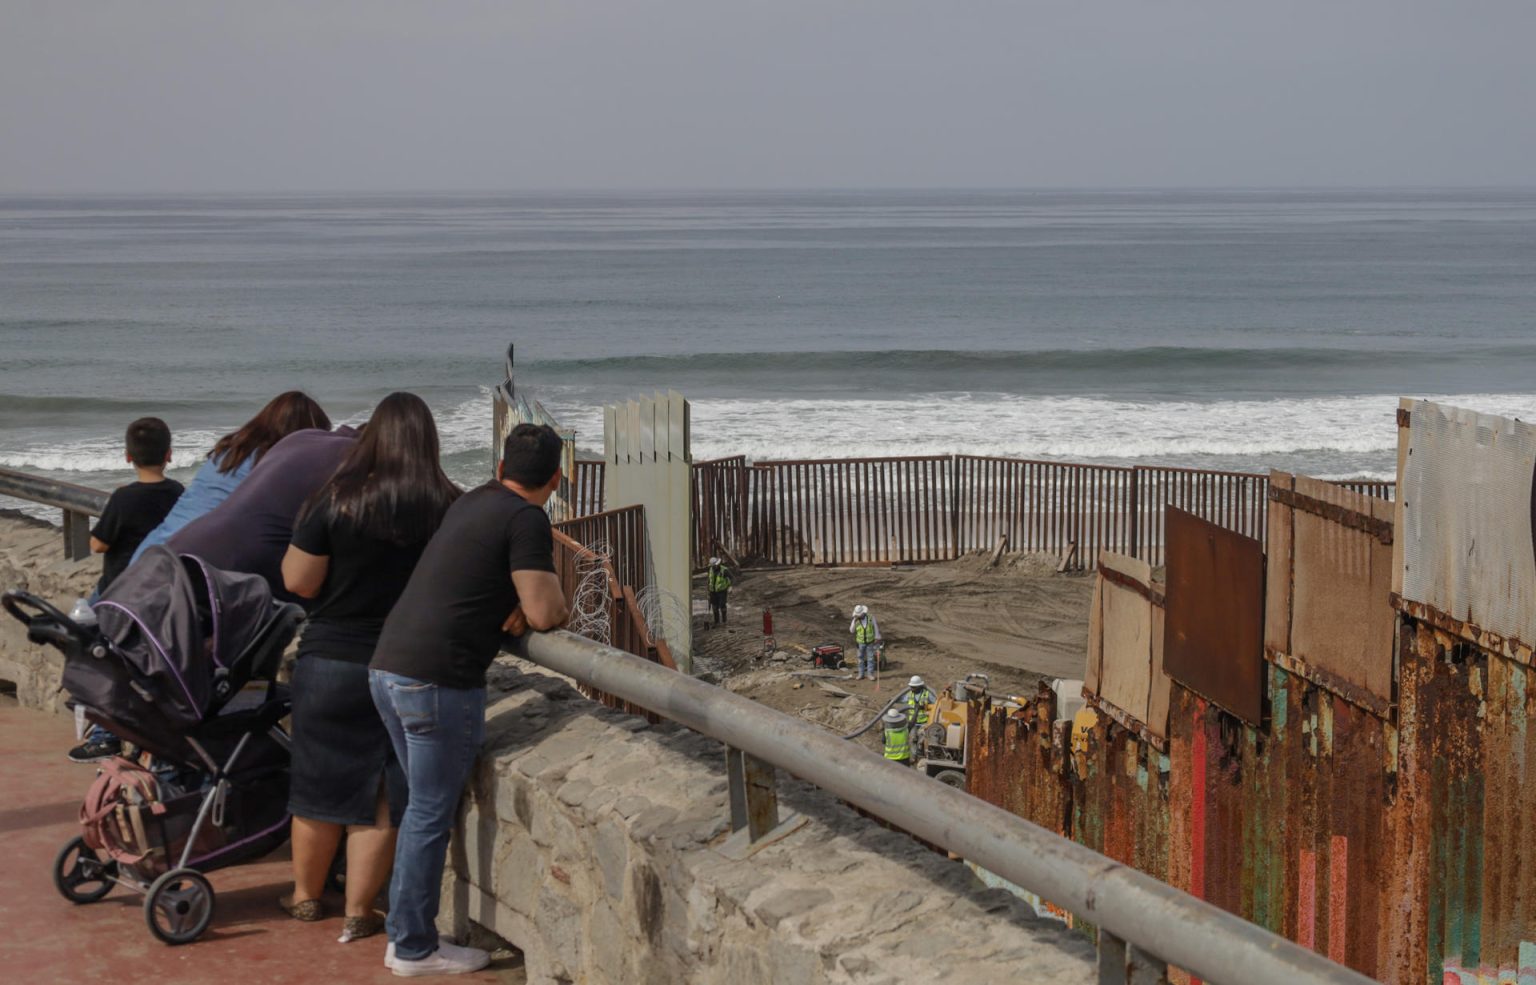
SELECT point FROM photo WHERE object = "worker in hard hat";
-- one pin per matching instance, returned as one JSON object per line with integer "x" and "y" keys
{"x": 866, "y": 633}
{"x": 918, "y": 702}
{"x": 898, "y": 736}
{"x": 719, "y": 584}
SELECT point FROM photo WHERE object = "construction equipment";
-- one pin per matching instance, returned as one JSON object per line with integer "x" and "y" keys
{"x": 940, "y": 745}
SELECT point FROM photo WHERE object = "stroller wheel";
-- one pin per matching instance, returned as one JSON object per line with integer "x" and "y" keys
{"x": 179, "y": 906}
{"x": 79, "y": 875}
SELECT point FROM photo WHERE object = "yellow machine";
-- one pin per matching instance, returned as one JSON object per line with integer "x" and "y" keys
{"x": 941, "y": 743}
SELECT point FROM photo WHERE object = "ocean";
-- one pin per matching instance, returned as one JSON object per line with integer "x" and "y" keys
{"x": 1222, "y": 329}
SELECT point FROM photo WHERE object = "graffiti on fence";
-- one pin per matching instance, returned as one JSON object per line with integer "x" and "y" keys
{"x": 1377, "y": 809}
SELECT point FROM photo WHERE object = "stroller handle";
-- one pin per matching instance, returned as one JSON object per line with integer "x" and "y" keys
{"x": 45, "y": 623}
{"x": 15, "y": 600}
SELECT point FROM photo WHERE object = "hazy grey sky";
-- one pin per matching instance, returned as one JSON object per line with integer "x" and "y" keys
{"x": 504, "y": 94}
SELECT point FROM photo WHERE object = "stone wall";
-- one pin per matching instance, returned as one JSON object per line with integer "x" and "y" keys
{"x": 590, "y": 840}
{"x": 32, "y": 558}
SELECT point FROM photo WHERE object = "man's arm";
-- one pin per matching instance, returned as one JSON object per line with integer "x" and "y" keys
{"x": 99, "y": 546}
{"x": 540, "y": 599}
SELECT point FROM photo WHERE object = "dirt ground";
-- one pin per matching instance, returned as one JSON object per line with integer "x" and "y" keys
{"x": 1018, "y": 623}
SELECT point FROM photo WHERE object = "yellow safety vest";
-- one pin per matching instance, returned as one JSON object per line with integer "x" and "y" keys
{"x": 919, "y": 704}
{"x": 719, "y": 579}
{"x": 896, "y": 744}
{"x": 864, "y": 632}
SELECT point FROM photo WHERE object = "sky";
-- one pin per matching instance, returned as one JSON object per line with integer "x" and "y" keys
{"x": 473, "y": 95}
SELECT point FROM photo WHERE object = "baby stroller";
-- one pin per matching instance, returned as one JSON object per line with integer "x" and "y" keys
{"x": 175, "y": 642}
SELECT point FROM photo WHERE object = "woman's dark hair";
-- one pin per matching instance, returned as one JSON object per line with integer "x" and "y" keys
{"x": 391, "y": 486}
{"x": 531, "y": 455}
{"x": 283, "y": 415}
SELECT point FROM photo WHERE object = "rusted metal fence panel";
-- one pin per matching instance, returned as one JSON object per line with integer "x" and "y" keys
{"x": 618, "y": 534}
{"x": 1329, "y": 580}
{"x": 859, "y": 511}
{"x": 587, "y": 488}
{"x": 1039, "y": 506}
{"x": 1125, "y": 678}
{"x": 935, "y": 508}
{"x": 1399, "y": 845}
{"x": 721, "y": 519}
{"x": 1214, "y": 643}
{"x": 618, "y": 540}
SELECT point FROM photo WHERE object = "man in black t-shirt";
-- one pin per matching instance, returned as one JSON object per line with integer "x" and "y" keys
{"x": 489, "y": 569}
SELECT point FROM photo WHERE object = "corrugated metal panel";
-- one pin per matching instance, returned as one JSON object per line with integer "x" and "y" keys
{"x": 1467, "y": 518}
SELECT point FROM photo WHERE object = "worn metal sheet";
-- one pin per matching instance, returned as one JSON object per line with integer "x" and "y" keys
{"x": 1467, "y": 518}
{"x": 1093, "y": 675}
{"x": 1214, "y": 639}
{"x": 1329, "y": 615}
{"x": 1277, "y": 577}
{"x": 1126, "y": 622}
{"x": 1159, "y": 692}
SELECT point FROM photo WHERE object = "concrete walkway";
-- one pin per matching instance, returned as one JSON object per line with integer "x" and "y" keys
{"x": 44, "y": 938}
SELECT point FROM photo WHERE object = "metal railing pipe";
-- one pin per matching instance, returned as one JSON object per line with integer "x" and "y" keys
{"x": 79, "y": 504}
{"x": 1178, "y": 928}
{"x": 51, "y": 492}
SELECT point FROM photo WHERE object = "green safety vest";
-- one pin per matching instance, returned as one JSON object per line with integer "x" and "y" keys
{"x": 918, "y": 705}
{"x": 896, "y": 745}
{"x": 719, "y": 579}
{"x": 864, "y": 632}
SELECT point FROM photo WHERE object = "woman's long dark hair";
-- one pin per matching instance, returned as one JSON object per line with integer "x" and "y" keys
{"x": 283, "y": 415}
{"x": 391, "y": 486}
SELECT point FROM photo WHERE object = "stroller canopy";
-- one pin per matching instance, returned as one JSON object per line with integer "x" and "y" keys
{"x": 181, "y": 626}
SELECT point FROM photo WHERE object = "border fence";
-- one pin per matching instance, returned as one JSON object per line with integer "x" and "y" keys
{"x": 922, "y": 509}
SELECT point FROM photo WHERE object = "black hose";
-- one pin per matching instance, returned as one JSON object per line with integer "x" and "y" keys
{"x": 876, "y": 720}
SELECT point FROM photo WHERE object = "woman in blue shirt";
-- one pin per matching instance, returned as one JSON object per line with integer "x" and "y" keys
{"x": 232, "y": 459}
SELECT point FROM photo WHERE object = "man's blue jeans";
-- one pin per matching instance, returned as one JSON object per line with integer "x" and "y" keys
{"x": 437, "y": 732}
{"x": 869, "y": 655}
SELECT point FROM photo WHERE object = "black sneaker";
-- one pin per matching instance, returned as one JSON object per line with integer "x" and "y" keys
{"x": 95, "y": 750}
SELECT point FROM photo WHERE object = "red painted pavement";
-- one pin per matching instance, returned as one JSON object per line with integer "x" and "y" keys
{"x": 46, "y": 939}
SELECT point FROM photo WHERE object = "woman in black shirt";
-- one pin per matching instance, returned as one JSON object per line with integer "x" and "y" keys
{"x": 354, "y": 546}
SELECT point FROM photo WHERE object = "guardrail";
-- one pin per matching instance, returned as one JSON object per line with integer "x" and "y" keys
{"x": 1144, "y": 925}
{"x": 79, "y": 504}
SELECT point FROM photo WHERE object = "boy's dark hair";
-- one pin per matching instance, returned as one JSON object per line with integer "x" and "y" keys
{"x": 149, "y": 442}
{"x": 531, "y": 455}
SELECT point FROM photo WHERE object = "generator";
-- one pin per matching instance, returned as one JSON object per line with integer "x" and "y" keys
{"x": 827, "y": 655}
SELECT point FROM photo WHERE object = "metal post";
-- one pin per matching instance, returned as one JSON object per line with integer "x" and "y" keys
{"x": 1143, "y": 969}
{"x": 754, "y": 801}
{"x": 1126, "y": 964}
{"x": 77, "y": 535}
{"x": 1112, "y": 960}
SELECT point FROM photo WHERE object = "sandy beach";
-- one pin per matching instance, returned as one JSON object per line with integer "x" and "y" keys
{"x": 1019, "y": 623}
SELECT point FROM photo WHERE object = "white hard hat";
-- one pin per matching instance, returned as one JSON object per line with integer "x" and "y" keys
{"x": 895, "y": 717}
{"x": 714, "y": 561}
{"x": 860, "y": 610}
{"x": 916, "y": 682}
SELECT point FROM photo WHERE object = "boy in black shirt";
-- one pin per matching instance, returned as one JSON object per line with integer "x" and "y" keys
{"x": 137, "y": 508}
{"x": 130, "y": 514}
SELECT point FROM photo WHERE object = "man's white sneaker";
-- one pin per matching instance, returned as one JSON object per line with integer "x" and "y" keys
{"x": 448, "y": 959}
{"x": 389, "y": 950}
